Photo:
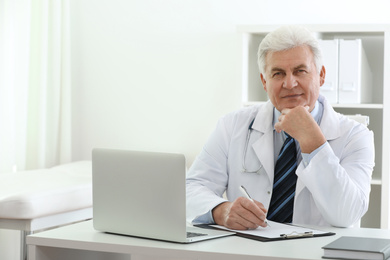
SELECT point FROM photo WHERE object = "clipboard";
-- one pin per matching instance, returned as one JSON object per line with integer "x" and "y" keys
{"x": 274, "y": 232}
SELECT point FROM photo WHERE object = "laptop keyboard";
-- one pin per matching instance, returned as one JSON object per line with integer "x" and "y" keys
{"x": 194, "y": 234}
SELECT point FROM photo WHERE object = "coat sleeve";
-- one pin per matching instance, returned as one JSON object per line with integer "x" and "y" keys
{"x": 339, "y": 176}
{"x": 207, "y": 178}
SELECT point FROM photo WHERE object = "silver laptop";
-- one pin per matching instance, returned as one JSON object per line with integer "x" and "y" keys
{"x": 143, "y": 194}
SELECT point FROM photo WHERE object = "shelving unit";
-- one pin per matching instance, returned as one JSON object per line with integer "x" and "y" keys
{"x": 376, "y": 42}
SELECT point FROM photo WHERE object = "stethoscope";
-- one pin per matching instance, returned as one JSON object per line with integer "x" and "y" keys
{"x": 248, "y": 136}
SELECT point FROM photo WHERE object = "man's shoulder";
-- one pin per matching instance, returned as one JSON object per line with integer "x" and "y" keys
{"x": 352, "y": 122}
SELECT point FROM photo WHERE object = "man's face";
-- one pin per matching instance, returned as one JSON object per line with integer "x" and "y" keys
{"x": 291, "y": 78}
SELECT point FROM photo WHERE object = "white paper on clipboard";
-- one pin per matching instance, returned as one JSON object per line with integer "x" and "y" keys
{"x": 277, "y": 231}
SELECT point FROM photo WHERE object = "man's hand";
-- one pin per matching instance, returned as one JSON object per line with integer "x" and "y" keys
{"x": 241, "y": 214}
{"x": 300, "y": 125}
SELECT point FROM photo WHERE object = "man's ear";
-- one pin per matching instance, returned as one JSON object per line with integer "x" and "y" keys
{"x": 322, "y": 75}
{"x": 263, "y": 81}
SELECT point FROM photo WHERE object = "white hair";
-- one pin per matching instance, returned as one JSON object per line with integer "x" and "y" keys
{"x": 288, "y": 37}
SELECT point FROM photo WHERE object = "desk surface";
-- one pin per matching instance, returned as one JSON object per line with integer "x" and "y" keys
{"x": 82, "y": 236}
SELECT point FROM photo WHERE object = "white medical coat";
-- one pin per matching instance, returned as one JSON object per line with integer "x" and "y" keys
{"x": 333, "y": 189}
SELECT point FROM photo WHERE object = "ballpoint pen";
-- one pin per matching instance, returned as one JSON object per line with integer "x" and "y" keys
{"x": 246, "y": 194}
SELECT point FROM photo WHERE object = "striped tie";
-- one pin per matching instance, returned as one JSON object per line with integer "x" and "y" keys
{"x": 285, "y": 179}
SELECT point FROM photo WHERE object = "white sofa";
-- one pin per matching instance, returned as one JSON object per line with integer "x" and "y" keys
{"x": 41, "y": 199}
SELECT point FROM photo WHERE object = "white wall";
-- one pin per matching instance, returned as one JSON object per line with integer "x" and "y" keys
{"x": 152, "y": 75}
{"x": 157, "y": 74}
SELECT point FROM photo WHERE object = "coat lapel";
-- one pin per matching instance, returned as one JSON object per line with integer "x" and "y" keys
{"x": 264, "y": 146}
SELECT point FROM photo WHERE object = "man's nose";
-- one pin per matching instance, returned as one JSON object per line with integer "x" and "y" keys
{"x": 290, "y": 81}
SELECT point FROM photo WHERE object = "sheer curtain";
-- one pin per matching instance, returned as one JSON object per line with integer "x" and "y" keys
{"x": 35, "y": 93}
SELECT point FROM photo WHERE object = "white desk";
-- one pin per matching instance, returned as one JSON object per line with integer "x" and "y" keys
{"x": 81, "y": 242}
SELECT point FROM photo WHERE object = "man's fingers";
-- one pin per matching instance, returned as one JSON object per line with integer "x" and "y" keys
{"x": 251, "y": 212}
{"x": 241, "y": 214}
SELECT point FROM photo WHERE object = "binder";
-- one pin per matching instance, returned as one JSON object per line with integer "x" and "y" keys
{"x": 358, "y": 248}
{"x": 274, "y": 232}
{"x": 330, "y": 56}
{"x": 355, "y": 77}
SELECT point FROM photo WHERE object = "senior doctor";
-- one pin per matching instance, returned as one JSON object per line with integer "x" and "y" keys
{"x": 335, "y": 155}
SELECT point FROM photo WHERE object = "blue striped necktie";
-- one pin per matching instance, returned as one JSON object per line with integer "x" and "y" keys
{"x": 285, "y": 179}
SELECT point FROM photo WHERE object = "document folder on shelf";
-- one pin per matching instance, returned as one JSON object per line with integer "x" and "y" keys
{"x": 355, "y": 77}
{"x": 330, "y": 50}
{"x": 275, "y": 231}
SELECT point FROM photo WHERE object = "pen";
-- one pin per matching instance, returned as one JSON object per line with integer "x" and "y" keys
{"x": 246, "y": 195}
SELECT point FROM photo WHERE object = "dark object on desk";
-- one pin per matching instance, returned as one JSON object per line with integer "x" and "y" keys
{"x": 358, "y": 248}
